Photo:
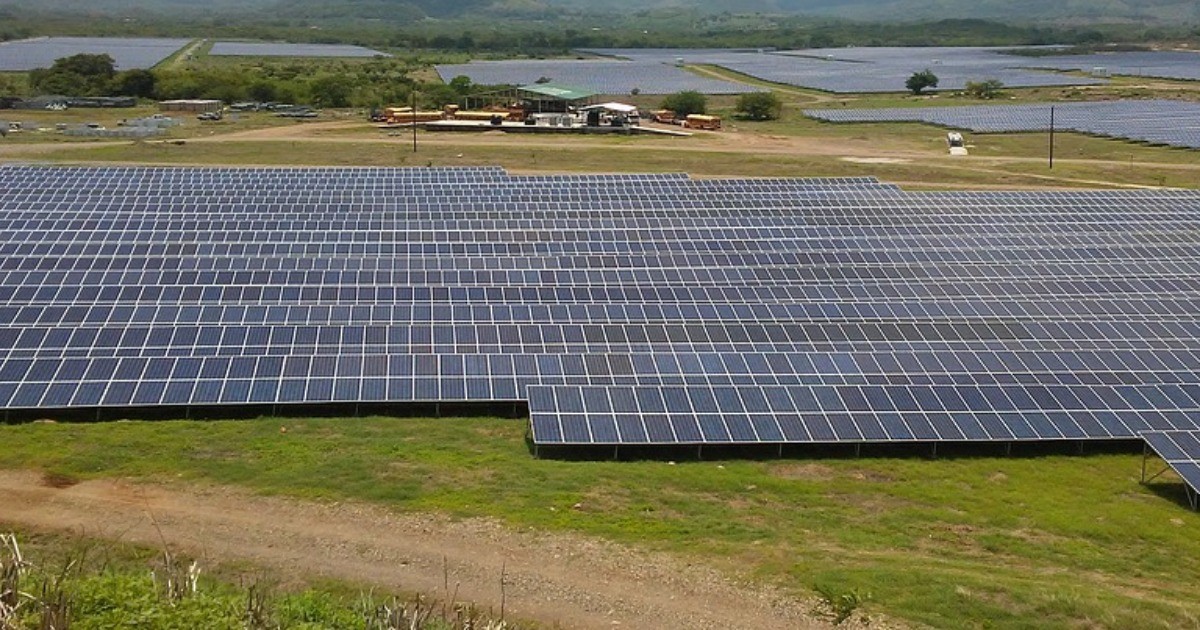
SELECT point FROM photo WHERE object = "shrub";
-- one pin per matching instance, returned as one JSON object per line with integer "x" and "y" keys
{"x": 686, "y": 103}
{"x": 760, "y": 106}
{"x": 985, "y": 90}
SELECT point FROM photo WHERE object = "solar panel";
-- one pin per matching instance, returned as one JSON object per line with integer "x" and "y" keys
{"x": 870, "y": 69}
{"x": 127, "y": 53}
{"x": 627, "y": 309}
{"x": 1173, "y": 123}
{"x": 280, "y": 49}
{"x": 599, "y": 76}
{"x": 1181, "y": 450}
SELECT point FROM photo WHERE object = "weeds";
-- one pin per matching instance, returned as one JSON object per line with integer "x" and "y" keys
{"x": 839, "y": 606}
{"x": 12, "y": 569}
{"x": 173, "y": 595}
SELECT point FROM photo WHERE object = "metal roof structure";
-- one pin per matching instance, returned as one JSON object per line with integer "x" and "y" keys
{"x": 558, "y": 91}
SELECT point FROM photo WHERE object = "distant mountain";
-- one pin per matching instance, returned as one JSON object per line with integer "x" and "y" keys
{"x": 908, "y": 10}
{"x": 1024, "y": 11}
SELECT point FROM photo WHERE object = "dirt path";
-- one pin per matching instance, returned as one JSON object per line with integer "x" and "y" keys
{"x": 181, "y": 59}
{"x": 559, "y": 579}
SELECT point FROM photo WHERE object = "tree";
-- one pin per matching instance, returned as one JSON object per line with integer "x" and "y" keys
{"x": 919, "y": 81}
{"x": 87, "y": 65}
{"x": 330, "y": 91}
{"x": 77, "y": 75}
{"x": 138, "y": 83}
{"x": 262, "y": 91}
{"x": 986, "y": 90}
{"x": 461, "y": 84}
{"x": 686, "y": 103}
{"x": 759, "y": 106}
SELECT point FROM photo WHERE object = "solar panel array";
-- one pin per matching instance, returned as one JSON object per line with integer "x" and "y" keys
{"x": 1163, "y": 64}
{"x": 859, "y": 70}
{"x": 281, "y": 49}
{"x": 600, "y": 76}
{"x": 128, "y": 53}
{"x": 1181, "y": 451}
{"x": 1173, "y": 123}
{"x": 627, "y": 309}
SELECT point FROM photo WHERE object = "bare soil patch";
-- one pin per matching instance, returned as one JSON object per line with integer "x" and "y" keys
{"x": 559, "y": 579}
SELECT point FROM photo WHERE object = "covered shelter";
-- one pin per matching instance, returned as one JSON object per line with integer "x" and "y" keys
{"x": 536, "y": 98}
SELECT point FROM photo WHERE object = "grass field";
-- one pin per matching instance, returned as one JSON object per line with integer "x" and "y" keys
{"x": 119, "y": 585}
{"x": 1045, "y": 539}
{"x": 663, "y": 155}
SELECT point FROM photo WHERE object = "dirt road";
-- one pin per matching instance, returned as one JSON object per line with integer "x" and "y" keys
{"x": 559, "y": 579}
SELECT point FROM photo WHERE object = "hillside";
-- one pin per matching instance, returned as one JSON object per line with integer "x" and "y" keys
{"x": 1164, "y": 11}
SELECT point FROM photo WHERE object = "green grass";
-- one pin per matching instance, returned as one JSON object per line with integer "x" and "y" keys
{"x": 1052, "y": 540}
{"x": 659, "y": 155}
{"x": 119, "y": 585}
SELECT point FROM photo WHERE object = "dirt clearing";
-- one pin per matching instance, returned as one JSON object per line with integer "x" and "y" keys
{"x": 559, "y": 579}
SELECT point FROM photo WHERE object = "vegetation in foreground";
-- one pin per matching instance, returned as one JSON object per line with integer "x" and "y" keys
{"x": 53, "y": 582}
{"x": 1006, "y": 542}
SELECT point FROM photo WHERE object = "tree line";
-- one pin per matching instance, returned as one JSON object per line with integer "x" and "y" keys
{"x": 321, "y": 83}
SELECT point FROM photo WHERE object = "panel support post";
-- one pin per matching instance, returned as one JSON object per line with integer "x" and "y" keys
{"x": 1008, "y": 449}
{"x": 933, "y": 450}
{"x": 1145, "y": 456}
{"x": 414, "y": 120}
{"x": 857, "y": 450}
{"x": 1051, "y": 137}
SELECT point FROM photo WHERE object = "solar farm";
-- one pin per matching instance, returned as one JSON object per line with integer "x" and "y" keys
{"x": 626, "y": 310}
{"x": 884, "y": 69}
{"x": 128, "y": 53}
{"x": 600, "y": 76}
{"x": 1171, "y": 123}
{"x": 280, "y": 49}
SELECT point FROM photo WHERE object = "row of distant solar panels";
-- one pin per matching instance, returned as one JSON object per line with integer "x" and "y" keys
{"x": 854, "y": 70}
{"x": 599, "y": 76}
{"x": 128, "y": 53}
{"x": 884, "y": 69}
{"x": 143, "y": 53}
{"x": 1174, "y": 123}
{"x": 283, "y": 49}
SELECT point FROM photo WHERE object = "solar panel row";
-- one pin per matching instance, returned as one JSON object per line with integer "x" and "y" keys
{"x": 127, "y": 53}
{"x": 1181, "y": 450}
{"x": 599, "y": 76}
{"x": 626, "y": 309}
{"x": 858, "y": 70}
{"x": 280, "y": 49}
{"x": 1173, "y": 123}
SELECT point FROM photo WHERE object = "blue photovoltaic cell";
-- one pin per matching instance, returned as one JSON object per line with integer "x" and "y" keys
{"x": 627, "y": 309}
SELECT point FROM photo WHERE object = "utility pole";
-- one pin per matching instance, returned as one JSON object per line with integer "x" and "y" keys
{"x": 1051, "y": 137}
{"x": 414, "y": 120}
